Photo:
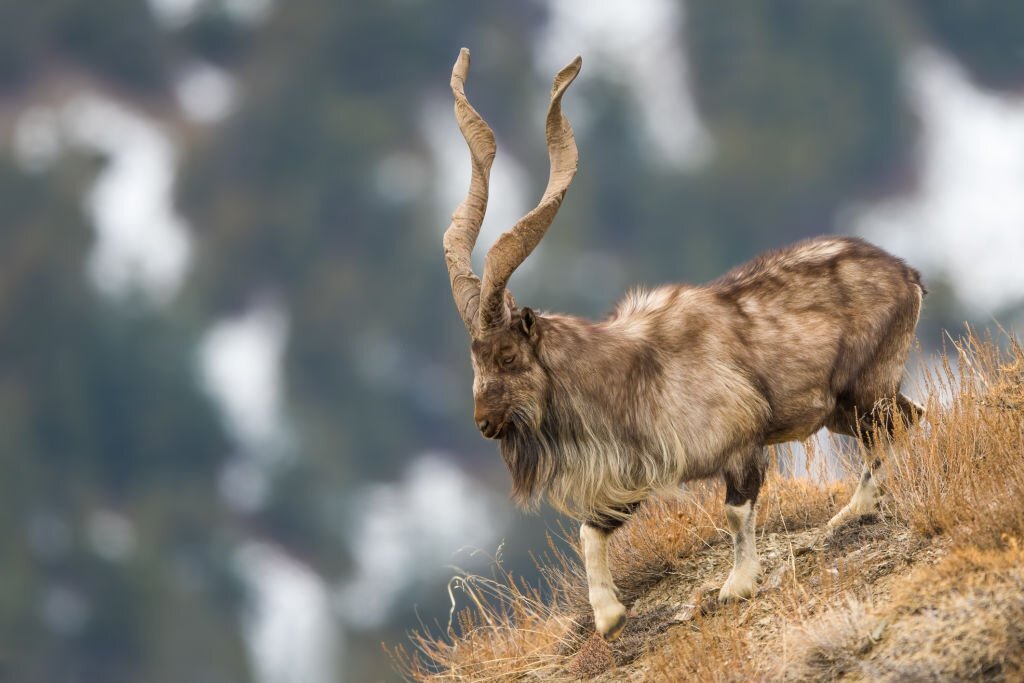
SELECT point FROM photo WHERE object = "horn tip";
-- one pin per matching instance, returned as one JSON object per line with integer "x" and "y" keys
{"x": 568, "y": 74}
{"x": 460, "y": 70}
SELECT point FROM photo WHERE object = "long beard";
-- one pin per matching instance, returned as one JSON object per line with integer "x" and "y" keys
{"x": 529, "y": 453}
{"x": 583, "y": 472}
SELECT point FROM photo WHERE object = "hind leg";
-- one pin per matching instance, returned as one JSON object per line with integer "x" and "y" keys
{"x": 863, "y": 502}
{"x": 877, "y": 425}
{"x": 867, "y": 408}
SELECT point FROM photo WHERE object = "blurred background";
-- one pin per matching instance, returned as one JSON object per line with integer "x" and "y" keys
{"x": 235, "y": 409}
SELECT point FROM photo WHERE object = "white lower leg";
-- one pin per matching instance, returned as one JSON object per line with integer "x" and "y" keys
{"x": 609, "y": 614}
{"x": 863, "y": 502}
{"x": 742, "y": 581}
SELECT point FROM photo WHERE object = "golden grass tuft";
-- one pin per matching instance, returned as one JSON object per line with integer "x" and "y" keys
{"x": 930, "y": 589}
{"x": 508, "y": 630}
{"x": 961, "y": 474}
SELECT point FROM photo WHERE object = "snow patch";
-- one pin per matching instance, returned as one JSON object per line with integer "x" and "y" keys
{"x": 241, "y": 363}
{"x": 142, "y": 242}
{"x": 409, "y": 531}
{"x": 639, "y": 46}
{"x": 290, "y": 631}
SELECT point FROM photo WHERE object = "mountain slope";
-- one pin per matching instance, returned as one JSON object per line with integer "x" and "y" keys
{"x": 930, "y": 588}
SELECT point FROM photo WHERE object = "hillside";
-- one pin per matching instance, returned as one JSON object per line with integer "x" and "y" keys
{"x": 931, "y": 588}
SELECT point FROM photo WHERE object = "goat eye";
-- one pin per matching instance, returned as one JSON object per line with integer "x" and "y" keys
{"x": 508, "y": 360}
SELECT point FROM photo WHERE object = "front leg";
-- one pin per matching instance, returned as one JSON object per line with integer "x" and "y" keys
{"x": 609, "y": 613}
{"x": 741, "y": 491}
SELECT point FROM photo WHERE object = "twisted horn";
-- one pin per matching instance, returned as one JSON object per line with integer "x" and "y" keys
{"x": 512, "y": 248}
{"x": 460, "y": 237}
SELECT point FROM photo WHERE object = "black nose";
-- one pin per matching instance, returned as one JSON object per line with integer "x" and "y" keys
{"x": 488, "y": 428}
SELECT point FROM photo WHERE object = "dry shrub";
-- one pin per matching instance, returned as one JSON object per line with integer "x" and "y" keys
{"x": 828, "y": 647}
{"x": 962, "y": 619}
{"x": 787, "y": 505}
{"x": 711, "y": 649}
{"x": 961, "y": 472}
{"x": 509, "y": 629}
{"x": 595, "y": 657}
{"x": 662, "y": 530}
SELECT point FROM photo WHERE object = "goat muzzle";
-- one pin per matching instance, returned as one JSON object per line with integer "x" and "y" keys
{"x": 491, "y": 425}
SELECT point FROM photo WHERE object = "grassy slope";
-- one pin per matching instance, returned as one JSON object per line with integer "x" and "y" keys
{"x": 931, "y": 588}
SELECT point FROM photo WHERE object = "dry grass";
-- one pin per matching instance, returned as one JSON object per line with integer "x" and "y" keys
{"x": 963, "y": 473}
{"x": 962, "y": 619}
{"x": 932, "y": 589}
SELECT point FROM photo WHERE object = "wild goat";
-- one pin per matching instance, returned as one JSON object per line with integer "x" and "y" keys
{"x": 681, "y": 382}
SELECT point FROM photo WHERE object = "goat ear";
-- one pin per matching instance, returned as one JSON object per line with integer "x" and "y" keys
{"x": 527, "y": 321}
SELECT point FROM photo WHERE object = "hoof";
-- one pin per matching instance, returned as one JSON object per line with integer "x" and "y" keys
{"x": 742, "y": 582}
{"x": 736, "y": 591}
{"x": 864, "y": 502}
{"x": 726, "y": 596}
{"x": 852, "y": 511}
{"x": 837, "y": 520}
{"x": 610, "y": 625}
